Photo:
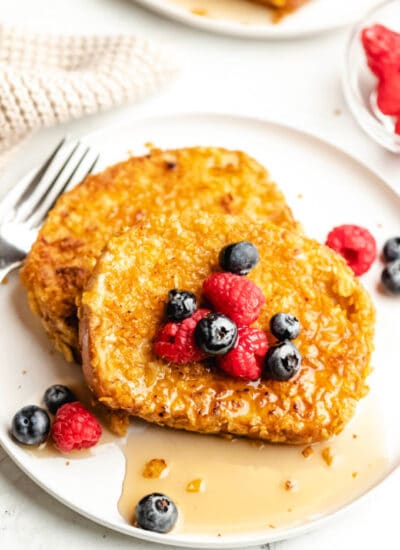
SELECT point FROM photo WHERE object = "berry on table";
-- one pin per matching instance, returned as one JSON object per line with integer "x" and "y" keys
{"x": 216, "y": 334}
{"x": 74, "y": 428}
{"x": 181, "y": 304}
{"x": 237, "y": 297}
{"x": 391, "y": 249}
{"x": 175, "y": 341}
{"x": 56, "y": 396}
{"x": 245, "y": 360}
{"x": 239, "y": 258}
{"x": 30, "y": 425}
{"x": 284, "y": 326}
{"x": 391, "y": 277}
{"x": 355, "y": 244}
{"x": 156, "y": 512}
{"x": 282, "y": 361}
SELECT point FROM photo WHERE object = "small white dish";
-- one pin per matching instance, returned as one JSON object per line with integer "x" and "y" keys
{"x": 322, "y": 185}
{"x": 245, "y": 19}
{"x": 359, "y": 83}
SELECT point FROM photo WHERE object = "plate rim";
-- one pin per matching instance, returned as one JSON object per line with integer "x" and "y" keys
{"x": 234, "y": 540}
{"x": 241, "y": 30}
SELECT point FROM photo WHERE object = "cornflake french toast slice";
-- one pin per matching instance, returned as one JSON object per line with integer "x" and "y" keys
{"x": 163, "y": 182}
{"x": 123, "y": 309}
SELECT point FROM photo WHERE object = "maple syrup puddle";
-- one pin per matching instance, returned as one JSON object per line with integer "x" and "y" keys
{"x": 225, "y": 486}
{"x": 250, "y": 485}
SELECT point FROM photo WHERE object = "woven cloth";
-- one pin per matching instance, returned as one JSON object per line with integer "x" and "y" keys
{"x": 47, "y": 79}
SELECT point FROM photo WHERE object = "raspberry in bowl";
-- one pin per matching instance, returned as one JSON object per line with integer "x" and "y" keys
{"x": 362, "y": 79}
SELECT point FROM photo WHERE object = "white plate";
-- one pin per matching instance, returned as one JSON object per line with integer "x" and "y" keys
{"x": 242, "y": 18}
{"x": 335, "y": 189}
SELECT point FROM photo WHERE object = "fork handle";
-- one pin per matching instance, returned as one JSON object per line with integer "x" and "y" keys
{"x": 5, "y": 270}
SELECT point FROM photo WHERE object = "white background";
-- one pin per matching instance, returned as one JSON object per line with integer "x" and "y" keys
{"x": 293, "y": 81}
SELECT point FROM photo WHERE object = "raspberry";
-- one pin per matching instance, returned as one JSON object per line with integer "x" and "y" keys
{"x": 246, "y": 359}
{"x": 355, "y": 244}
{"x": 75, "y": 427}
{"x": 235, "y": 296}
{"x": 175, "y": 341}
{"x": 382, "y": 47}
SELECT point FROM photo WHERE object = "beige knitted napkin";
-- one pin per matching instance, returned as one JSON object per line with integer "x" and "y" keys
{"x": 47, "y": 79}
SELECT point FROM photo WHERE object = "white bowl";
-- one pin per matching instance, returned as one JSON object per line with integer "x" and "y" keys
{"x": 359, "y": 83}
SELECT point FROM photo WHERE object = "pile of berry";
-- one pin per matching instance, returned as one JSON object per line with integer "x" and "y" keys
{"x": 382, "y": 48}
{"x": 224, "y": 332}
{"x": 74, "y": 427}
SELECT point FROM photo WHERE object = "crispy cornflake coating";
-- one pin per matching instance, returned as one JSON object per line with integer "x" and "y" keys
{"x": 196, "y": 179}
{"x": 123, "y": 308}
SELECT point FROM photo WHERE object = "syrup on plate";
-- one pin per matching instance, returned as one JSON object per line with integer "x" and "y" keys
{"x": 242, "y": 485}
{"x": 225, "y": 486}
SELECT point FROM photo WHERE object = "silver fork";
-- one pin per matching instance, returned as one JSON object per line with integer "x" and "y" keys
{"x": 24, "y": 208}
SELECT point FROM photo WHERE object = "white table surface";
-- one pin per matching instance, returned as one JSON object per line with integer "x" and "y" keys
{"x": 297, "y": 82}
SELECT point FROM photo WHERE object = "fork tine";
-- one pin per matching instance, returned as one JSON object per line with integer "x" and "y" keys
{"x": 38, "y": 176}
{"x": 83, "y": 171}
{"x": 93, "y": 165}
{"x": 49, "y": 179}
{"x": 58, "y": 189}
{"x": 24, "y": 187}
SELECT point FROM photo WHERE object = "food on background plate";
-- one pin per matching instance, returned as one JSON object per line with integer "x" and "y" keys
{"x": 123, "y": 310}
{"x": 382, "y": 48}
{"x": 282, "y": 7}
{"x": 194, "y": 179}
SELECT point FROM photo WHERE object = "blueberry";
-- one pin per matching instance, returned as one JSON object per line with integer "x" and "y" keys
{"x": 391, "y": 250}
{"x": 216, "y": 334}
{"x": 156, "y": 512}
{"x": 285, "y": 326}
{"x": 56, "y": 396}
{"x": 181, "y": 305}
{"x": 282, "y": 361}
{"x": 30, "y": 425}
{"x": 391, "y": 277}
{"x": 239, "y": 258}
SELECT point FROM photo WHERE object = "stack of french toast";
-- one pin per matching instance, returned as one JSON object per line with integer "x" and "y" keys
{"x": 113, "y": 247}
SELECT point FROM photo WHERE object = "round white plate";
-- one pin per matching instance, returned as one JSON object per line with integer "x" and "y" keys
{"x": 243, "y": 18}
{"x": 334, "y": 189}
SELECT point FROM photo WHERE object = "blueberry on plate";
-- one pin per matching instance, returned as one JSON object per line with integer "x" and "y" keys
{"x": 391, "y": 250}
{"x": 282, "y": 361}
{"x": 391, "y": 277}
{"x": 30, "y": 425}
{"x": 181, "y": 304}
{"x": 284, "y": 326}
{"x": 56, "y": 396}
{"x": 156, "y": 512}
{"x": 239, "y": 258}
{"x": 216, "y": 334}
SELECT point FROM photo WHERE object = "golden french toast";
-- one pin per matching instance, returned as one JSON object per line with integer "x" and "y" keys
{"x": 122, "y": 311}
{"x": 76, "y": 230}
